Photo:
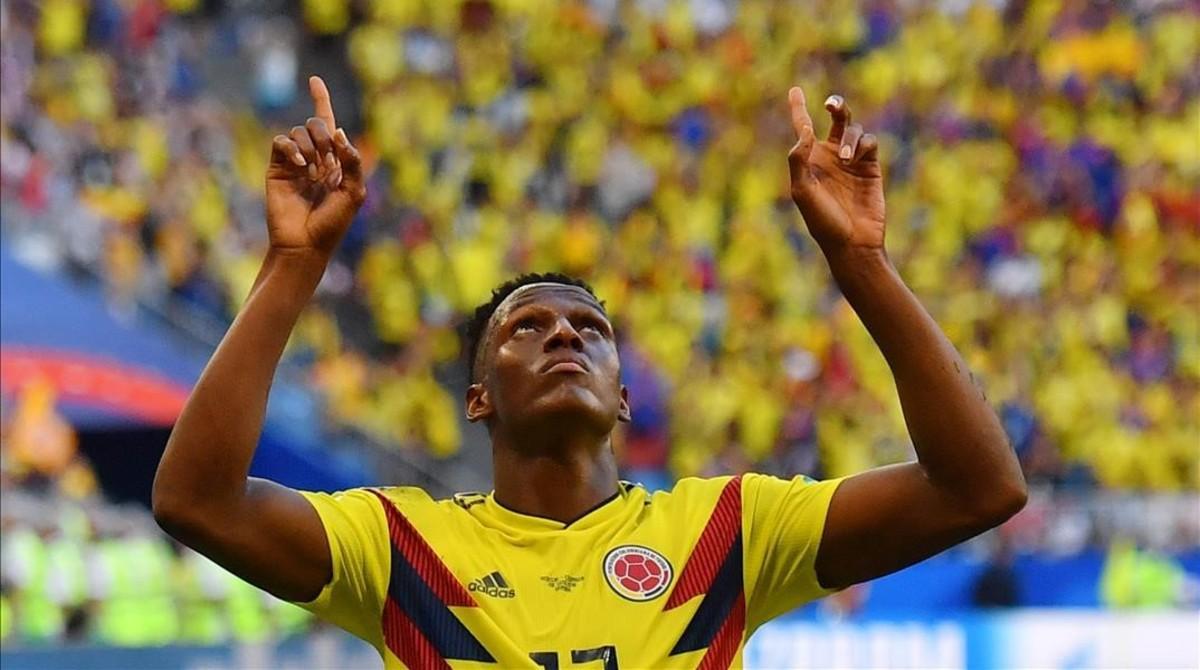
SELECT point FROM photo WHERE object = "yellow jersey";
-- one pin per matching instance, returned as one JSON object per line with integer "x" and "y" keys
{"x": 673, "y": 579}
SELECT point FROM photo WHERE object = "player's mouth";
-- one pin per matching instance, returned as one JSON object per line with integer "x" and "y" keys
{"x": 566, "y": 366}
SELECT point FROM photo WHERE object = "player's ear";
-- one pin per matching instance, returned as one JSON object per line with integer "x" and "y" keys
{"x": 479, "y": 403}
{"x": 623, "y": 413}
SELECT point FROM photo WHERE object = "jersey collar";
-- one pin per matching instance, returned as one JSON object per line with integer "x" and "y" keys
{"x": 605, "y": 510}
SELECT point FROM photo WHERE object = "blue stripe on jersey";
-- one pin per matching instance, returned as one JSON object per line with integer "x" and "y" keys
{"x": 717, "y": 604}
{"x": 430, "y": 615}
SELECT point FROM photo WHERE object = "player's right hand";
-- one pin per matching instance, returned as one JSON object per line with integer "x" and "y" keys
{"x": 314, "y": 182}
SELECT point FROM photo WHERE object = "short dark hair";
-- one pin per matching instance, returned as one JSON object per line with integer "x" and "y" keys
{"x": 476, "y": 327}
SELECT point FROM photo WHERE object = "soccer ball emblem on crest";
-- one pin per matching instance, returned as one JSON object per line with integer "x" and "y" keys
{"x": 637, "y": 573}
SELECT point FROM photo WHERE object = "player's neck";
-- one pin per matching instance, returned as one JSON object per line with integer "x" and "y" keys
{"x": 561, "y": 484}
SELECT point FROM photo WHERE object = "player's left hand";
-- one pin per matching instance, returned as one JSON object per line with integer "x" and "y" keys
{"x": 837, "y": 183}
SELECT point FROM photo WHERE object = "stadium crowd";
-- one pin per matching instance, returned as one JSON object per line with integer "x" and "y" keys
{"x": 1042, "y": 160}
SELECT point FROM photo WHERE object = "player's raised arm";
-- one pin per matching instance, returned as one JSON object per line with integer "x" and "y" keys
{"x": 264, "y": 532}
{"x": 966, "y": 479}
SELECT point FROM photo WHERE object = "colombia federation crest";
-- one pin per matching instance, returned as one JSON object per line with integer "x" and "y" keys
{"x": 637, "y": 573}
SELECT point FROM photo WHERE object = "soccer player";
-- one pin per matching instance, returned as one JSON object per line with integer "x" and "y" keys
{"x": 563, "y": 565}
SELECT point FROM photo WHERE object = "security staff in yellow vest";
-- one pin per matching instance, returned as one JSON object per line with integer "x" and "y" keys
{"x": 67, "y": 581}
{"x": 137, "y": 608}
{"x": 200, "y": 589}
{"x": 245, "y": 607}
{"x": 1137, "y": 578}
{"x": 6, "y": 614}
{"x": 38, "y": 618}
{"x": 289, "y": 620}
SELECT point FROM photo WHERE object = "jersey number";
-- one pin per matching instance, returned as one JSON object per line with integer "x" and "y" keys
{"x": 607, "y": 653}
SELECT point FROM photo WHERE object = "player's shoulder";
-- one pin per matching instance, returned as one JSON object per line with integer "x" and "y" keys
{"x": 707, "y": 489}
{"x": 414, "y": 499}
{"x": 382, "y": 498}
{"x": 690, "y": 486}
{"x": 396, "y": 494}
{"x": 412, "y": 505}
{"x": 756, "y": 479}
{"x": 705, "y": 486}
{"x": 692, "y": 492}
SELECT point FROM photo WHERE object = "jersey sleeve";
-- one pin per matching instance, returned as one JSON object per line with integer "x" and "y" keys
{"x": 783, "y": 522}
{"x": 356, "y": 528}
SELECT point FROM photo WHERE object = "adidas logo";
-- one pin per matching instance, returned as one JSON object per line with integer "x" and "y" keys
{"x": 492, "y": 585}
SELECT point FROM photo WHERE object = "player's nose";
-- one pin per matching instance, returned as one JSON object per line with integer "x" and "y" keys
{"x": 563, "y": 334}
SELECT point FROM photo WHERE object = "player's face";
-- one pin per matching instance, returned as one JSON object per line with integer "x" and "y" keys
{"x": 551, "y": 356}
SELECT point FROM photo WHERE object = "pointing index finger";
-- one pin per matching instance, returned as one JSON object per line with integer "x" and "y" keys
{"x": 321, "y": 105}
{"x": 799, "y": 109}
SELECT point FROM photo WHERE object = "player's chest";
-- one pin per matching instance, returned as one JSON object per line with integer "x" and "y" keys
{"x": 651, "y": 585}
{"x": 577, "y": 591}
{"x": 629, "y": 571}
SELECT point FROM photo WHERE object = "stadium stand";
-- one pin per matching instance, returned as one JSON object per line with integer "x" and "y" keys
{"x": 1041, "y": 156}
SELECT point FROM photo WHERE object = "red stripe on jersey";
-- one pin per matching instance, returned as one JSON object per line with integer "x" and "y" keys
{"x": 423, "y": 558}
{"x": 405, "y": 640}
{"x": 710, "y": 551}
{"x": 725, "y": 645}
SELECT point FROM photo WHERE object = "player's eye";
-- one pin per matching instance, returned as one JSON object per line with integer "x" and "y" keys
{"x": 524, "y": 324}
{"x": 594, "y": 326}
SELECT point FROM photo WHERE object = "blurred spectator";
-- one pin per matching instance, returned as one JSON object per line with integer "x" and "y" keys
{"x": 1136, "y": 578}
{"x": 847, "y": 603}
{"x": 6, "y": 614}
{"x": 40, "y": 441}
{"x": 997, "y": 585}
